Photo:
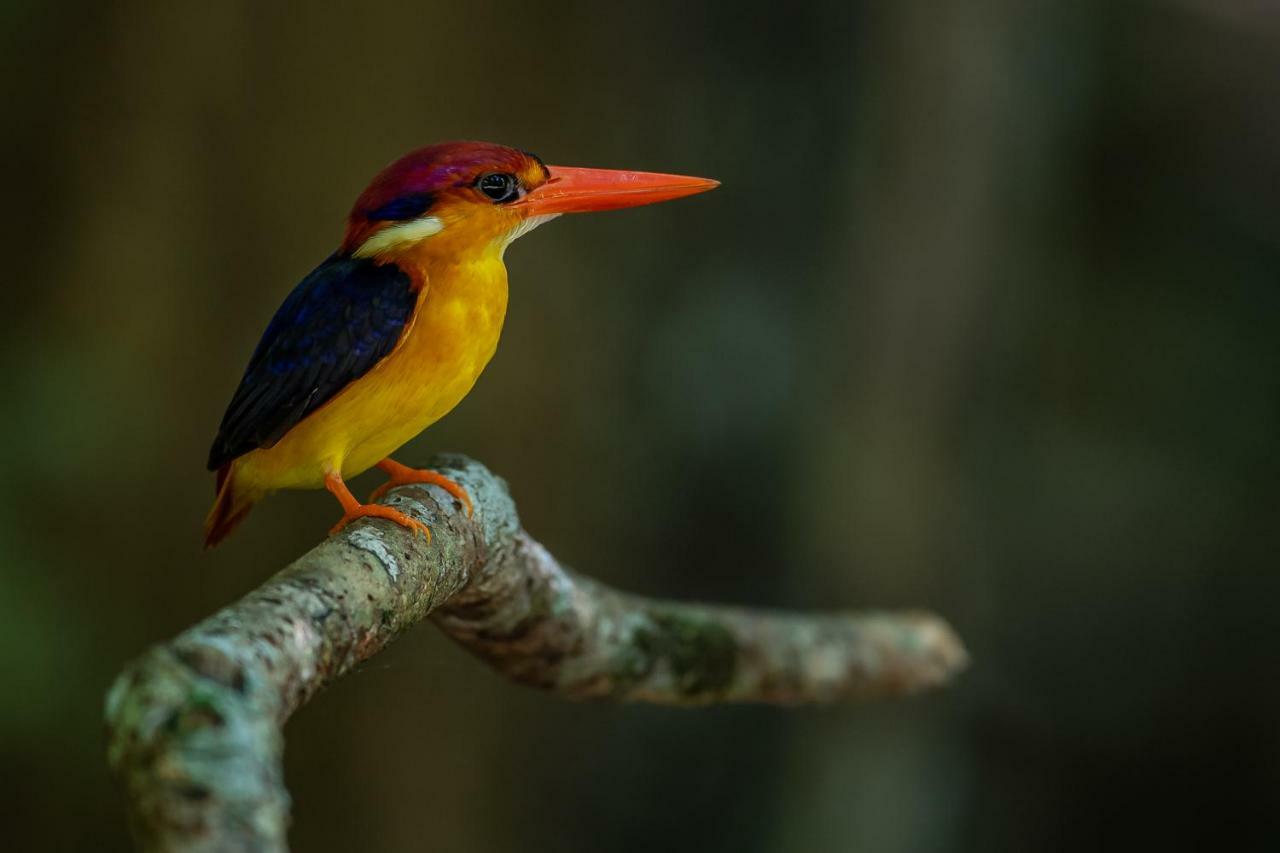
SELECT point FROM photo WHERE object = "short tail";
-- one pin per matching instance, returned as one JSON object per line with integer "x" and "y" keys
{"x": 229, "y": 508}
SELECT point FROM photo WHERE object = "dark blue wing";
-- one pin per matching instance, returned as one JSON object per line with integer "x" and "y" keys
{"x": 339, "y": 322}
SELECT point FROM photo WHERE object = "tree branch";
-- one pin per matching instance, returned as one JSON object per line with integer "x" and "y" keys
{"x": 195, "y": 724}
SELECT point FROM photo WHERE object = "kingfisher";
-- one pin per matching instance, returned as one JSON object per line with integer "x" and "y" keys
{"x": 392, "y": 330}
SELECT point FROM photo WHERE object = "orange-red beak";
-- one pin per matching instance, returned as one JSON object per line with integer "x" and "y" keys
{"x": 575, "y": 190}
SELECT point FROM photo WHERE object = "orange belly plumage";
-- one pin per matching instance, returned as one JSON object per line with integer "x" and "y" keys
{"x": 453, "y": 335}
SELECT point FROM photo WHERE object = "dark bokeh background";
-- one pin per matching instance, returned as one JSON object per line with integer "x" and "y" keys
{"x": 984, "y": 319}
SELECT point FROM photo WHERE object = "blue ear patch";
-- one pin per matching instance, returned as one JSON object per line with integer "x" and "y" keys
{"x": 404, "y": 207}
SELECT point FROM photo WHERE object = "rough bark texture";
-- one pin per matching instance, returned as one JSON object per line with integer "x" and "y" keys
{"x": 195, "y": 725}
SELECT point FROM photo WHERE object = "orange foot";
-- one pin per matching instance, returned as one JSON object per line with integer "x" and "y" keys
{"x": 402, "y": 475}
{"x": 353, "y": 509}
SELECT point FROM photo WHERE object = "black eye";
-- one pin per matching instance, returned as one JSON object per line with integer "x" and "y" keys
{"x": 499, "y": 186}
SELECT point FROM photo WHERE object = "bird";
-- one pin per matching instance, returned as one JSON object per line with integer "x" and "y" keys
{"x": 392, "y": 330}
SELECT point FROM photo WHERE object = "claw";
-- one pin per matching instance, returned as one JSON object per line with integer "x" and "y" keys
{"x": 379, "y": 511}
{"x": 403, "y": 475}
{"x": 352, "y": 509}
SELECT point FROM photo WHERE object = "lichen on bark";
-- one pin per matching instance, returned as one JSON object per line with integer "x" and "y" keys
{"x": 195, "y": 725}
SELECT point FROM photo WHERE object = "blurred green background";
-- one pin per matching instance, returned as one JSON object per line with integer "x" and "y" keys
{"x": 985, "y": 318}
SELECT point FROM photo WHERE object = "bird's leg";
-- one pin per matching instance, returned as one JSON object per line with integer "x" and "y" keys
{"x": 353, "y": 509}
{"x": 402, "y": 475}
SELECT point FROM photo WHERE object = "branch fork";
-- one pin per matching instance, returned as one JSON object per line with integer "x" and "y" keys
{"x": 195, "y": 725}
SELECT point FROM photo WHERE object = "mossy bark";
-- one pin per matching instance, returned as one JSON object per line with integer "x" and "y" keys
{"x": 195, "y": 725}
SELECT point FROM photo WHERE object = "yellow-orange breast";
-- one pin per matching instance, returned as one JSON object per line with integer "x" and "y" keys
{"x": 453, "y": 334}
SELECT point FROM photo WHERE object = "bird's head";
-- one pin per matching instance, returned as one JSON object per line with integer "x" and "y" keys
{"x": 476, "y": 196}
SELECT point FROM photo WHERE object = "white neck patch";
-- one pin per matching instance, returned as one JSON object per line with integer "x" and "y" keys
{"x": 419, "y": 229}
{"x": 398, "y": 235}
{"x": 524, "y": 228}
